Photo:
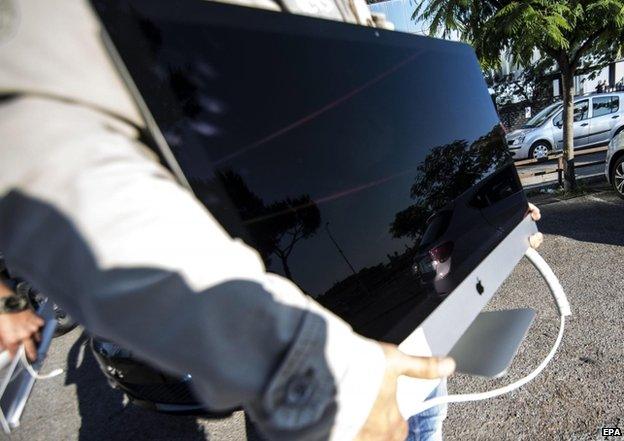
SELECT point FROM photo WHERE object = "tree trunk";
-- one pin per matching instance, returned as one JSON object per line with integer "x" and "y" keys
{"x": 285, "y": 266}
{"x": 569, "y": 174}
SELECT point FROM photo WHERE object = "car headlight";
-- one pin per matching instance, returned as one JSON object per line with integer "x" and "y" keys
{"x": 519, "y": 140}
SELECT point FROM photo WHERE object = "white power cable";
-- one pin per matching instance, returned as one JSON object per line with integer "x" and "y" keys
{"x": 564, "y": 311}
{"x": 22, "y": 355}
{"x": 5, "y": 359}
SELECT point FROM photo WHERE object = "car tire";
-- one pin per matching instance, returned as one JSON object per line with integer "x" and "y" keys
{"x": 539, "y": 151}
{"x": 617, "y": 176}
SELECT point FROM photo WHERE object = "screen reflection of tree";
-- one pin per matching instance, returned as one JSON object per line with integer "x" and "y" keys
{"x": 277, "y": 227}
{"x": 448, "y": 173}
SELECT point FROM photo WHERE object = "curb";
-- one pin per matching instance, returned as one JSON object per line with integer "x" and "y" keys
{"x": 596, "y": 183}
{"x": 590, "y": 179}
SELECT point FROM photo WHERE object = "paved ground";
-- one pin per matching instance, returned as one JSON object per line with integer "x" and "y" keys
{"x": 81, "y": 406}
{"x": 576, "y": 395}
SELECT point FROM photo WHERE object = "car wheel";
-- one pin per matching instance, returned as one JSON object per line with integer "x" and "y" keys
{"x": 617, "y": 177}
{"x": 539, "y": 151}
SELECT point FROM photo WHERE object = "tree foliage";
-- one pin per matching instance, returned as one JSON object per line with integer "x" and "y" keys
{"x": 276, "y": 227}
{"x": 555, "y": 28}
{"x": 446, "y": 172}
{"x": 532, "y": 85}
{"x": 569, "y": 32}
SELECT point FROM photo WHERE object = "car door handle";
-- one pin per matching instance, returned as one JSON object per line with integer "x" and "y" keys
{"x": 615, "y": 116}
{"x": 584, "y": 124}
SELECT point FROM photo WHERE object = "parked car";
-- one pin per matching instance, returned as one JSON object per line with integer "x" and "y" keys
{"x": 597, "y": 119}
{"x": 614, "y": 165}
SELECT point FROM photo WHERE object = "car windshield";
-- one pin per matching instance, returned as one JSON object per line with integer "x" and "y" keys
{"x": 542, "y": 116}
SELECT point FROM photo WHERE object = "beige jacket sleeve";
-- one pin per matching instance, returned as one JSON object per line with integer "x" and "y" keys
{"x": 92, "y": 220}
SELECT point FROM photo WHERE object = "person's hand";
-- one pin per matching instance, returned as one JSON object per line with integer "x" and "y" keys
{"x": 535, "y": 240}
{"x": 385, "y": 422}
{"x": 18, "y": 328}
{"x": 535, "y": 212}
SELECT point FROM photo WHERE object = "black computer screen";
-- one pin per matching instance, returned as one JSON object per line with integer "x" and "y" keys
{"x": 368, "y": 166}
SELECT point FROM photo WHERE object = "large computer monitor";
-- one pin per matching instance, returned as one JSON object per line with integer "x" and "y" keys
{"x": 367, "y": 166}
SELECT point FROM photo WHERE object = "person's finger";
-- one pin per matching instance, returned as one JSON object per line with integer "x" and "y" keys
{"x": 425, "y": 367}
{"x": 11, "y": 338}
{"x": 38, "y": 321}
{"x": 12, "y": 348}
{"x": 402, "y": 431}
{"x": 22, "y": 333}
{"x": 30, "y": 348}
{"x": 536, "y": 240}
{"x": 536, "y": 214}
{"x": 33, "y": 327}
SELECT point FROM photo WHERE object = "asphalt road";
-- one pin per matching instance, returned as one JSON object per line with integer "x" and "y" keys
{"x": 577, "y": 394}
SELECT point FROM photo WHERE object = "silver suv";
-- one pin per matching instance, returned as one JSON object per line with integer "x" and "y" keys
{"x": 614, "y": 165}
{"x": 597, "y": 119}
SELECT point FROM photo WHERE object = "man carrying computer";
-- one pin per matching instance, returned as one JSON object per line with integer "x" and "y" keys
{"x": 90, "y": 217}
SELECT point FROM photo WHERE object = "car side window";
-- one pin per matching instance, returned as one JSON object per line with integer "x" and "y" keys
{"x": 605, "y": 105}
{"x": 558, "y": 120}
{"x": 581, "y": 110}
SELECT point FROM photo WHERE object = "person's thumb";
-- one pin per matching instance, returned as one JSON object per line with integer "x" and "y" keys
{"x": 425, "y": 367}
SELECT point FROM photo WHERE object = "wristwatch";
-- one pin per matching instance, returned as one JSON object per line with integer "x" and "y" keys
{"x": 13, "y": 303}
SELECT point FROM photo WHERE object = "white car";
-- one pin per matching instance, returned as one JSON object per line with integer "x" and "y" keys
{"x": 614, "y": 165}
{"x": 597, "y": 119}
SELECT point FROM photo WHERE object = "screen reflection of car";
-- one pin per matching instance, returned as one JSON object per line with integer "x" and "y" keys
{"x": 597, "y": 119}
{"x": 447, "y": 249}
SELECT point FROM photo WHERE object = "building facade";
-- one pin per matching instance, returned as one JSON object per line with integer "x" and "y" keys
{"x": 400, "y": 13}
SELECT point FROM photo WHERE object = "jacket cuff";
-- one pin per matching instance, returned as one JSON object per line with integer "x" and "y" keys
{"x": 325, "y": 385}
{"x": 364, "y": 364}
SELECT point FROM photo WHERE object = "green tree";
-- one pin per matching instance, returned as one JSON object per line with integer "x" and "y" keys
{"x": 291, "y": 220}
{"x": 533, "y": 84}
{"x": 446, "y": 172}
{"x": 572, "y": 33}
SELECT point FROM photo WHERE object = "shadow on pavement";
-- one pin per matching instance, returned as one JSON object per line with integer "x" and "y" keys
{"x": 252, "y": 433}
{"x": 594, "y": 218}
{"x": 104, "y": 416}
